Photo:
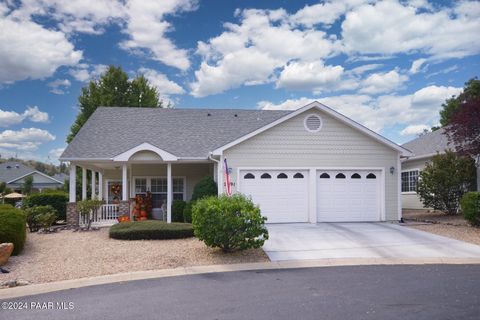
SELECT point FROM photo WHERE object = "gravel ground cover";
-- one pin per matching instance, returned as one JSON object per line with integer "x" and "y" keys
{"x": 439, "y": 223}
{"x": 72, "y": 255}
{"x": 434, "y": 216}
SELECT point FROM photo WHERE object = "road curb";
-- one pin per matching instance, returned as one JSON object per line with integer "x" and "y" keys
{"x": 35, "y": 289}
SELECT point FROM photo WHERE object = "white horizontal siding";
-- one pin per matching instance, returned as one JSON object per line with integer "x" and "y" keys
{"x": 336, "y": 145}
{"x": 411, "y": 200}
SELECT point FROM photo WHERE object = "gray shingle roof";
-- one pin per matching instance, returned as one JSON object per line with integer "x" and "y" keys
{"x": 111, "y": 131}
{"x": 13, "y": 170}
{"x": 429, "y": 143}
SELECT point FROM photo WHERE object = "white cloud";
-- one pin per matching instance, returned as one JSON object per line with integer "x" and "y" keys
{"x": 364, "y": 68}
{"x": 59, "y": 86}
{"x": 164, "y": 86}
{"x": 86, "y": 16}
{"x": 434, "y": 95}
{"x": 85, "y": 72}
{"x": 323, "y": 13}
{"x": 388, "y": 27}
{"x": 35, "y": 115}
{"x": 250, "y": 52}
{"x": 147, "y": 27}
{"x": 417, "y": 65}
{"x": 383, "y": 111}
{"x": 10, "y": 118}
{"x": 289, "y": 104}
{"x": 414, "y": 129}
{"x": 309, "y": 76}
{"x": 24, "y": 139}
{"x": 55, "y": 153}
{"x": 30, "y": 51}
{"x": 246, "y": 66}
{"x": 383, "y": 82}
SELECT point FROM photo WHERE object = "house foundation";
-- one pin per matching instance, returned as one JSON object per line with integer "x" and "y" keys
{"x": 72, "y": 214}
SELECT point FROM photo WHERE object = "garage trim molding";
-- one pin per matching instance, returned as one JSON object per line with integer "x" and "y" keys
{"x": 317, "y": 105}
{"x": 312, "y": 194}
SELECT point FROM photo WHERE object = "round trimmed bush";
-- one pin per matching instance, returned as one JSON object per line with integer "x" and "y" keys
{"x": 205, "y": 187}
{"x": 13, "y": 228}
{"x": 470, "y": 205}
{"x": 177, "y": 210}
{"x": 150, "y": 230}
{"x": 230, "y": 223}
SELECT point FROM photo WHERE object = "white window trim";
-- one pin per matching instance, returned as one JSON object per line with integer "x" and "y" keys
{"x": 149, "y": 179}
{"x": 408, "y": 170}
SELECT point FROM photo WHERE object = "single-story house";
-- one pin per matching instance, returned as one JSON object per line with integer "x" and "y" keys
{"x": 424, "y": 148}
{"x": 14, "y": 173}
{"x": 308, "y": 165}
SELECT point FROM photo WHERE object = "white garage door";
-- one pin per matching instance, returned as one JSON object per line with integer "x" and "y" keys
{"x": 348, "y": 195}
{"x": 281, "y": 194}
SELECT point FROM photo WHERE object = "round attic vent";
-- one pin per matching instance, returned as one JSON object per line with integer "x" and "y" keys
{"x": 313, "y": 123}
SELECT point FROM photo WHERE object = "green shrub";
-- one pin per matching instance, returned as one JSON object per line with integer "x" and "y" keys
{"x": 57, "y": 199}
{"x": 6, "y": 206}
{"x": 177, "y": 210}
{"x": 444, "y": 180}
{"x": 40, "y": 217}
{"x": 230, "y": 223}
{"x": 187, "y": 212}
{"x": 13, "y": 228}
{"x": 470, "y": 205}
{"x": 150, "y": 230}
{"x": 205, "y": 187}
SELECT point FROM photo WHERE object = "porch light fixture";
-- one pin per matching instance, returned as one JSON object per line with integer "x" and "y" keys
{"x": 392, "y": 170}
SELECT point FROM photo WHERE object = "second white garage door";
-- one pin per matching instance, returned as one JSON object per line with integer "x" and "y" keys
{"x": 281, "y": 194}
{"x": 348, "y": 195}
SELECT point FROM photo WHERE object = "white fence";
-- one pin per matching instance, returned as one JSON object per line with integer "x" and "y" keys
{"x": 105, "y": 216}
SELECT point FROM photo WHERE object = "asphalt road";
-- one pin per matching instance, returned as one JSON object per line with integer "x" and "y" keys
{"x": 358, "y": 292}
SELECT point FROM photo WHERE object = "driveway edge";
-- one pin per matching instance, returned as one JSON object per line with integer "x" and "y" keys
{"x": 163, "y": 273}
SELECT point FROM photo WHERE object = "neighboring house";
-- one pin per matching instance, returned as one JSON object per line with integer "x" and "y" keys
{"x": 13, "y": 174}
{"x": 309, "y": 165}
{"x": 423, "y": 148}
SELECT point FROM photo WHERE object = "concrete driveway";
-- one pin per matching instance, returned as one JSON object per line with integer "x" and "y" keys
{"x": 360, "y": 240}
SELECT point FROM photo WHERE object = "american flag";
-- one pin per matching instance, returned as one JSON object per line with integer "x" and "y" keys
{"x": 227, "y": 179}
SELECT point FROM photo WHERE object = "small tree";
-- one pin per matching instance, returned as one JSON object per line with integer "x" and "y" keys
{"x": 445, "y": 180}
{"x": 464, "y": 128}
{"x": 88, "y": 210}
{"x": 27, "y": 185}
{"x": 470, "y": 91}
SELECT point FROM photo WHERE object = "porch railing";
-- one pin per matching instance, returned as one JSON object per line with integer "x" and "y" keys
{"x": 106, "y": 215}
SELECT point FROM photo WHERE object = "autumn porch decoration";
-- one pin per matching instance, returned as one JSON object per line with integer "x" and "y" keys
{"x": 116, "y": 189}
{"x": 142, "y": 207}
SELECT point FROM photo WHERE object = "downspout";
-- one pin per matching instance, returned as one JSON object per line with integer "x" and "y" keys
{"x": 219, "y": 178}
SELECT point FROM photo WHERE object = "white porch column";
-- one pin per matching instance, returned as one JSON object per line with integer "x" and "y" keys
{"x": 124, "y": 182}
{"x": 84, "y": 183}
{"x": 100, "y": 186}
{"x": 73, "y": 183}
{"x": 169, "y": 192}
{"x": 93, "y": 185}
{"x": 220, "y": 170}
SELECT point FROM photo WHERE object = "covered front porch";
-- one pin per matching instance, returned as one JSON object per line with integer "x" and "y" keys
{"x": 117, "y": 184}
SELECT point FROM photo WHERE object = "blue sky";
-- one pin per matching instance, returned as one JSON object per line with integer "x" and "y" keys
{"x": 386, "y": 64}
